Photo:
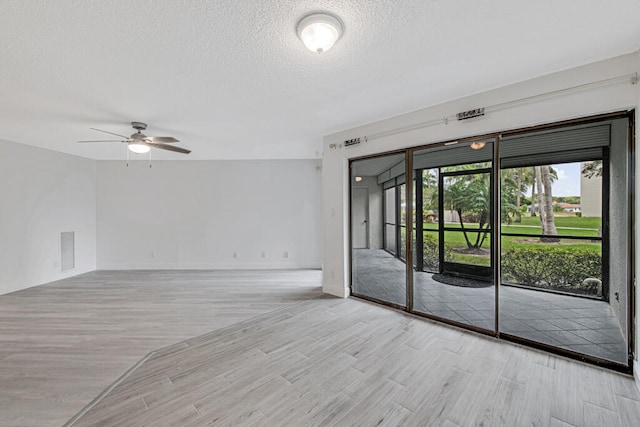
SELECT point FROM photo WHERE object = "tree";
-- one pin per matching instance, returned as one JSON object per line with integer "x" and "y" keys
{"x": 538, "y": 183}
{"x": 592, "y": 169}
{"x": 544, "y": 180}
{"x": 525, "y": 177}
{"x": 529, "y": 178}
{"x": 468, "y": 196}
{"x": 510, "y": 194}
{"x": 533, "y": 199}
{"x": 518, "y": 193}
{"x": 430, "y": 189}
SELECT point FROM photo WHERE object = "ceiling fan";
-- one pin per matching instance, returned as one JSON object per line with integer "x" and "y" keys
{"x": 140, "y": 143}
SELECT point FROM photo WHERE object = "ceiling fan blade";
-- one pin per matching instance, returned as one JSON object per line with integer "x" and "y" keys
{"x": 162, "y": 139}
{"x": 104, "y": 140}
{"x": 111, "y": 133}
{"x": 170, "y": 148}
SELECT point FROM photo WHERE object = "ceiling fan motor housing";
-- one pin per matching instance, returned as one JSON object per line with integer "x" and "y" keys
{"x": 138, "y": 136}
{"x": 139, "y": 125}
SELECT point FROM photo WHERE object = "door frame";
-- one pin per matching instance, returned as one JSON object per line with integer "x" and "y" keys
{"x": 456, "y": 268}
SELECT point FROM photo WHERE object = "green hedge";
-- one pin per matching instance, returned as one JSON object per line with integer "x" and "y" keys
{"x": 552, "y": 267}
{"x": 430, "y": 253}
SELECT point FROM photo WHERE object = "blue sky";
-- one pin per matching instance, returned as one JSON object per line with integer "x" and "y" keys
{"x": 568, "y": 183}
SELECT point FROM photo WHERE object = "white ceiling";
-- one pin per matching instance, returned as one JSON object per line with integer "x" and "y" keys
{"x": 231, "y": 80}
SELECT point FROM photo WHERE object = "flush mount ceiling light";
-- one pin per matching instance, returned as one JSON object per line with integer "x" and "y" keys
{"x": 477, "y": 145}
{"x": 319, "y": 31}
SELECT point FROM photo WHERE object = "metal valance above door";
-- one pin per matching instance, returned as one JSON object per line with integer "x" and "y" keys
{"x": 555, "y": 146}
{"x": 452, "y": 155}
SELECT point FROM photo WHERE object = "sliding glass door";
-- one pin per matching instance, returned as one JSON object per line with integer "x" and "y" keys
{"x": 377, "y": 195}
{"x": 564, "y": 238}
{"x": 453, "y": 279}
{"x": 524, "y": 235}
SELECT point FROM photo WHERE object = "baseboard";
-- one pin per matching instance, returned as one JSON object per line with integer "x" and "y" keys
{"x": 211, "y": 266}
{"x": 636, "y": 374}
{"x": 11, "y": 287}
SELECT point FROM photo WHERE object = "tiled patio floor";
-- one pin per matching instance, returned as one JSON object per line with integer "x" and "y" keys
{"x": 583, "y": 325}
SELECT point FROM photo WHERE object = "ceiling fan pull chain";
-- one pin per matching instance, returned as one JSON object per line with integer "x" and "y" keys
{"x": 149, "y": 158}
{"x": 127, "y": 149}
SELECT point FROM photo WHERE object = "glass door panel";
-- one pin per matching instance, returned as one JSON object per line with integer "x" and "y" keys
{"x": 378, "y": 268}
{"x": 565, "y": 239}
{"x": 556, "y": 287}
{"x": 453, "y": 275}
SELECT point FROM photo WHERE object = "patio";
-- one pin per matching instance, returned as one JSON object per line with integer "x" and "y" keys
{"x": 578, "y": 324}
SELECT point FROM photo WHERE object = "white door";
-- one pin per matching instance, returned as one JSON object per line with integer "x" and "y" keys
{"x": 360, "y": 218}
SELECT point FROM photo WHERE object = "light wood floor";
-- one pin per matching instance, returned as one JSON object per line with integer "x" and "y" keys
{"x": 312, "y": 361}
{"x": 63, "y": 343}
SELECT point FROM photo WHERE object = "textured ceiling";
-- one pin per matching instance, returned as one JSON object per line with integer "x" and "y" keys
{"x": 232, "y": 80}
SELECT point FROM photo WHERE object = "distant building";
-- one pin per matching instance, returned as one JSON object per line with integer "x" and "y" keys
{"x": 590, "y": 195}
{"x": 569, "y": 207}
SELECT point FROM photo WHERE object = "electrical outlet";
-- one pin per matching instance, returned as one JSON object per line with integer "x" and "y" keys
{"x": 235, "y": 255}
{"x": 285, "y": 254}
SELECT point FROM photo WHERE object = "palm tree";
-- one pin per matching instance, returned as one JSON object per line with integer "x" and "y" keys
{"x": 468, "y": 196}
{"x": 430, "y": 189}
{"x": 529, "y": 178}
{"x": 544, "y": 182}
{"x": 518, "y": 192}
{"x": 525, "y": 177}
{"x": 510, "y": 192}
{"x": 538, "y": 182}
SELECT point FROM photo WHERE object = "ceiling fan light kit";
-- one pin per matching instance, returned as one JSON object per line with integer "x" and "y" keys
{"x": 138, "y": 148}
{"x": 320, "y": 31}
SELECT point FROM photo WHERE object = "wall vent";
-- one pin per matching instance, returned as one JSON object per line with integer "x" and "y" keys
{"x": 67, "y": 251}
{"x": 350, "y": 142}
{"x": 465, "y": 115}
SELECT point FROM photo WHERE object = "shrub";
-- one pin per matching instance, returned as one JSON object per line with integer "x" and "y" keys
{"x": 430, "y": 251}
{"x": 552, "y": 267}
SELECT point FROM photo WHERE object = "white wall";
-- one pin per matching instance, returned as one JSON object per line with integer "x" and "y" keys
{"x": 43, "y": 193}
{"x": 601, "y": 99}
{"x": 196, "y": 214}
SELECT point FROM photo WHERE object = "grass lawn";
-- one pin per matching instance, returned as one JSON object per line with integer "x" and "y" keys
{"x": 566, "y": 225}
{"x": 565, "y": 221}
{"x": 533, "y": 223}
